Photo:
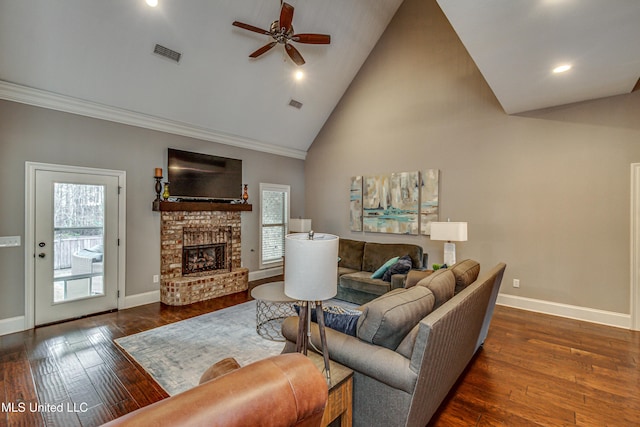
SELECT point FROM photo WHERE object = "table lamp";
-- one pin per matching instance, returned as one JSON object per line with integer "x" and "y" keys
{"x": 299, "y": 225}
{"x": 311, "y": 273}
{"x": 451, "y": 232}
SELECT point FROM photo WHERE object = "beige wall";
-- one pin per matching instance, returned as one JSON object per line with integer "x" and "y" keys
{"x": 39, "y": 135}
{"x": 547, "y": 192}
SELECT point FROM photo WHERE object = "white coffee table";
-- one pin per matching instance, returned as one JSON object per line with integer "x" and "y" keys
{"x": 272, "y": 307}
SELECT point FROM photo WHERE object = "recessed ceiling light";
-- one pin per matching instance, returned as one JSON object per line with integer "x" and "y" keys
{"x": 562, "y": 68}
{"x": 299, "y": 75}
{"x": 152, "y": 3}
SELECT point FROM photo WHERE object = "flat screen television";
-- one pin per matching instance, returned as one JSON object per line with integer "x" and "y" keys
{"x": 195, "y": 176}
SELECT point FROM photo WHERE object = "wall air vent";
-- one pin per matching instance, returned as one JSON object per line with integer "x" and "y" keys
{"x": 296, "y": 104}
{"x": 167, "y": 53}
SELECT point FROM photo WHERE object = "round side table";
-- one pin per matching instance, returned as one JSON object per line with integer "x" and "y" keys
{"x": 272, "y": 307}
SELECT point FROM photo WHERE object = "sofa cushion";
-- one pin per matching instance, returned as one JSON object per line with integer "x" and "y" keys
{"x": 414, "y": 276}
{"x": 350, "y": 253}
{"x": 401, "y": 266}
{"x": 387, "y": 319}
{"x": 407, "y": 344}
{"x": 384, "y": 267}
{"x": 376, "y": 254}
{"x": 362, "y": 281}
{"x": 442, "y": 283}
{"x": 466, "y": 272}
{"x": 345, "y": 270}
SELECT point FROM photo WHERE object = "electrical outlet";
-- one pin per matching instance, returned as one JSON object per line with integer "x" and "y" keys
{"x": 516, "y": 283}
{"x": 9, "y": 241}
{"x": 156, "y": 278}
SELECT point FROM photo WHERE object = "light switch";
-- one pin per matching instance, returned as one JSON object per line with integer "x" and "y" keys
{"x": 9, "y": 241}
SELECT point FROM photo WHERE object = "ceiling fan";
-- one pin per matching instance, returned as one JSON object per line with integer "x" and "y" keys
{"x": 282, "y": 32}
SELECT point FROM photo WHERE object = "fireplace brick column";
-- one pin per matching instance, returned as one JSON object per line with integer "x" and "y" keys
{"x": 179, "y": 289}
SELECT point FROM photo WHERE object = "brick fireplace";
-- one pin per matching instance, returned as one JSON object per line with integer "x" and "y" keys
{"x": 200, "y": 255}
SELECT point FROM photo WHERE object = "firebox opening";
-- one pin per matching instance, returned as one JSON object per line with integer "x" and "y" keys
{"x": 196, "y": 259}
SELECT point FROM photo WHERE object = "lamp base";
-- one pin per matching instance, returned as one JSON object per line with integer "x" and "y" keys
{"x": 449, "y": 253}
{"x": 304, "y": 334}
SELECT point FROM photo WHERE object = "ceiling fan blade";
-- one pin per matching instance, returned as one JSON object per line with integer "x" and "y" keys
{"x": 312, "y": 38}
{"x": 286, "y": 17}
{"x": 294, "y": 54}
{"x": 262, "y": 50}
{"x": 251, "y": 28}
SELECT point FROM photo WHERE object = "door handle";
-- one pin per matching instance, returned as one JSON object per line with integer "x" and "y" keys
{"x": 41, "y": 254}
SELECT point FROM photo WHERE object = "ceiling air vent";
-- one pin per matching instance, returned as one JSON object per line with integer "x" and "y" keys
{"x": 167, "y": 53}
{"x": 296, "y": 104}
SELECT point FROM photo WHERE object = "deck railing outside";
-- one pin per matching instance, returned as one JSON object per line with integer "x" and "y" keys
{"x": 64, "y": 248}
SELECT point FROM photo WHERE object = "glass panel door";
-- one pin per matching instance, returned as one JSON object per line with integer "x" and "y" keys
{"x": 75, "y": 245}
{"x": 78, "y": 241}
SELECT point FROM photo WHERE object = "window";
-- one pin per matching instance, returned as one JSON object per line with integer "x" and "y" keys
{"x": 274, "y": 216}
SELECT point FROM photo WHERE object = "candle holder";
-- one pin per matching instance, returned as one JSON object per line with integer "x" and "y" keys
{"x": 245, "y": 194}
{"x": 158, "y": 187}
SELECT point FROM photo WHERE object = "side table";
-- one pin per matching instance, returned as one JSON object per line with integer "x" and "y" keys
{"x": 340, "y": 402}
{"x": 272, "y": 307}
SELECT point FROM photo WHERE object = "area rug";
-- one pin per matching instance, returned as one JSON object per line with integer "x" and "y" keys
{"x": 175, "y": 355}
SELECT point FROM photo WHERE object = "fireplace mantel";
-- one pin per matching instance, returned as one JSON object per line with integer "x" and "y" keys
{"x": 163, "y": 206}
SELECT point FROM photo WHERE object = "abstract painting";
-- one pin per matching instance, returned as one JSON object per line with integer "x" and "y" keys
{"x": 355, "y": 204}
{"x": 390, "y": 203}
{"x": 429, "y": 181}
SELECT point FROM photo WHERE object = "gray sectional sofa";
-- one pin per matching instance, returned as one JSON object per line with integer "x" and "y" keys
{"x": 412, "y": 344}
{"x": 359, "y": 260}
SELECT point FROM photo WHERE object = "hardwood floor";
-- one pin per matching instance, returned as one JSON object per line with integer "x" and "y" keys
{"x": 533, "y": 370}
{"x": 536, "y": 369}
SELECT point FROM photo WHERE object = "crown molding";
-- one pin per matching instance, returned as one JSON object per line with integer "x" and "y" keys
{"x": 41, "y": 98}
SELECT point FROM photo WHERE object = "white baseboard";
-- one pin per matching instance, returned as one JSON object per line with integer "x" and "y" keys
{"x": 263, "y": 274}
{"x": 154, "y": 296}
{"x": 141, "y": 299}
{"x": 16, "y": 324}
{"x": 619, "y": 320}
{"x": 609, "y": 318}
{"x": 11, "y": 325}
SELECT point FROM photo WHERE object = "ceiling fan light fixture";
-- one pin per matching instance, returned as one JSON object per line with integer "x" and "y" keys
{"x": 281, "y": 31}
{"x": 299, "y": 75}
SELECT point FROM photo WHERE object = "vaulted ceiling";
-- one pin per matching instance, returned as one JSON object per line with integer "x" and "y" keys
{"x": 517, "y": 44}
{"x": 96, "y": 58}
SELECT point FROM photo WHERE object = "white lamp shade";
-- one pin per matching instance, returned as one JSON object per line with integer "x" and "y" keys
{"x": 449, "y": 231}
{"x": 299, "y": 225}
{"x": 311, "y": 267}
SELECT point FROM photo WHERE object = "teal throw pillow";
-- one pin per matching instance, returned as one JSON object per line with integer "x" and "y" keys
{"x": 402, "y": 266}
{"x": 380, "y": 272}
